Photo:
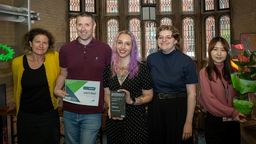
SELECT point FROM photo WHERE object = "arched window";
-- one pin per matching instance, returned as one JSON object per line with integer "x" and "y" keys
{"x": 166, "y": 21}
{"x": 209, "y": 30}
{"x": 198, "y": 21}
{"x": 112, "y": 6}
{"x": 135, "y": 28}
{"x": 74, "y": 5}
{"x": 72, "y": 28}
{"x": 208, "y": 5}
{"x": 189, "y": 37}
{"x": 187, "y": 5}
{"x": 134, "y": 6}
{"x": 150, "y": 37}
{"x": 165, "y": 5}
{"x": 223, "y": 4}
{"x": 225, "y": 27}
{"x": 112, "y": 26}
{"x": 216, "y": 16}
{"x": 90, "y": 6}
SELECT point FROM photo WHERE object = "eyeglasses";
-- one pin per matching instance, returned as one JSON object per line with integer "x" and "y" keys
{"x": 165, "y": 38}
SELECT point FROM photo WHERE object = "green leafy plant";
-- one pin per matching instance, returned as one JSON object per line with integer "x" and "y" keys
{"x": 9, "y": 53}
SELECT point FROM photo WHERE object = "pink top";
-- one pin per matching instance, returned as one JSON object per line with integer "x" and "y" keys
{"x": 216, "y": 96}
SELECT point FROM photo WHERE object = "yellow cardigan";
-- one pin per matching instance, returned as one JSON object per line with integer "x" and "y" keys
{"x": 52, "y": 69}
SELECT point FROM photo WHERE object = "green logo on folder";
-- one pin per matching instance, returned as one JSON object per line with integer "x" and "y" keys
{"x": 74, "y": 85}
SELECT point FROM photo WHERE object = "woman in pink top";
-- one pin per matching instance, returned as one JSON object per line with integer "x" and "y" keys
{"x": 216, "y": 96}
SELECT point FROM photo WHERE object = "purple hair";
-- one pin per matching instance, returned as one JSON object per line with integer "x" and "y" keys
{"x": 133, "y": 64}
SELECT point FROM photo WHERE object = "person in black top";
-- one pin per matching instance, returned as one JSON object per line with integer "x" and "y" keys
{"x": 174, "y": 80}
{"x": 34, "y": 75}
{"x": 129, "y": 75}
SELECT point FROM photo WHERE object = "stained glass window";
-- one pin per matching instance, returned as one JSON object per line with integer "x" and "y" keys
{"x": 210, "y": 31}
{"x": 134, "y": 27}
{"x": 150, "y": 37}
{"x": 223, "y": 4}
{"x": 89, "y": 6}
{"x": 74, "y": 5}
{"x": 187, "y": 5}
{"x": 112, "y": 6}
{"x": 166, "y": 21}
{"x": 72, "y": 29}
{"x": 149, "y": 1}
{"x": 189, "y": 37}
{"x": 209, "y": 4}
{"x": 113, "y": 29}
{"x": 134, "y": 6}
{"x": 225, "y": 27}
{"x": 165, "y": 5}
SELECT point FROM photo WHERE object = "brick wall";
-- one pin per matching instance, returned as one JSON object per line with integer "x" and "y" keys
{"x": 7, "y": 36}
{"x": 243, "y": 16}
{"x": 52, "y": 17}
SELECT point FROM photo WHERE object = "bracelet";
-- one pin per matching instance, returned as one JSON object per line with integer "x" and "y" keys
{"x": 141, "y": 99}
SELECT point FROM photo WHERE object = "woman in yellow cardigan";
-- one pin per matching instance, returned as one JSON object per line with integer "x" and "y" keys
{"x": 34, "y": 76}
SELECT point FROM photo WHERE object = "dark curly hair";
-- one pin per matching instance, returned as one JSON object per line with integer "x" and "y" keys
{"x": 29, "y": 36}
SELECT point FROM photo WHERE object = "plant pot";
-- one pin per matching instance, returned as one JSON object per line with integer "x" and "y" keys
{"x": 243, "y": 106}
{"x": 242, "y": 85}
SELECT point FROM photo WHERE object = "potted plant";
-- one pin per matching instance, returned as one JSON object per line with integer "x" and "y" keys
{"x": 243, "y": 77}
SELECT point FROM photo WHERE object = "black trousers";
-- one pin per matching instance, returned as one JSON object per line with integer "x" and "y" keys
{"x": 166, "y": 121}
{"x": 38, "y": 128}
{"x": 219, "y": 132}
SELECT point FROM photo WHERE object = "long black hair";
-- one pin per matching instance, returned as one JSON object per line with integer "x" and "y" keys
{"x": 210, "y": 68}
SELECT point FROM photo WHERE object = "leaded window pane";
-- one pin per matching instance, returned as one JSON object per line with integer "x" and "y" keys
{"x": 89, "y": 6}
{"x": 187, "y": 5}
{"x": 150, "y": 37}
{"x": 166, "y": 21}
{"x": 112, "y": 26}
{"x": 74, "y": 5}
{"x": 210, "y": 31}
{"x": 149, "y": 1}
{"x": 134, "y": 6}
{"x": 112, "y": 6}
{"x": 165, "y": 5}
{"x": 72, "y": 29}
{"x": 189, "y": 37}
{"x": 225, "y": 28}
{"x": 209, "y": 5}
{"x": 223, "y": 4}
{"x": 134, "y": 27}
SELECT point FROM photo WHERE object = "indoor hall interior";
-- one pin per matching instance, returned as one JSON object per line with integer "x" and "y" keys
{"x": 198, "y": 21}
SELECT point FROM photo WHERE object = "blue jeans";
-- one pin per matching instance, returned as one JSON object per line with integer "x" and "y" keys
{"x": 81, "y": 128}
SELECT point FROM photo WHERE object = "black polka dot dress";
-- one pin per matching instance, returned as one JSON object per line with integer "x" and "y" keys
{"x": 133, "y": 128}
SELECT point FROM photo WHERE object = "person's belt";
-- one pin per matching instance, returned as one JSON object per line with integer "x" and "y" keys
{"x": 170, "y": 95}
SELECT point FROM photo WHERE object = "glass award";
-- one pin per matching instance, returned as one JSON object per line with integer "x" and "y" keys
{"x": 117, "y": 104}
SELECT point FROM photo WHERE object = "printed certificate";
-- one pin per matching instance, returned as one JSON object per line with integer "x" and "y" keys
{"x": 82, "y": 92}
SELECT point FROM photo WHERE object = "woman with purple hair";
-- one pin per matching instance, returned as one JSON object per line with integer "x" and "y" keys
{"x": 127, "y": 74}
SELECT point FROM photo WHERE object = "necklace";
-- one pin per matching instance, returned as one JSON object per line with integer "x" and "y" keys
{"x": 122, "y": 73}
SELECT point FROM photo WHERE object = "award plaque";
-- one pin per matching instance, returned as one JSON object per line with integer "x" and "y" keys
{"x": 117, "y": 104}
